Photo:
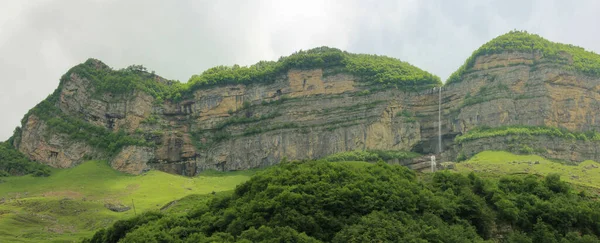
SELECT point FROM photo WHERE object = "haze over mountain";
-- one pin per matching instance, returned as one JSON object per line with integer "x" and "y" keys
{"x": 39, "y": 40}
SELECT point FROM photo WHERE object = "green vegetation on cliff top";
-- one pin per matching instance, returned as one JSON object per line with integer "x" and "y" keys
{"x": 377, "y": 70}
{"x": 373, "y": 69}
{"x": 520, "y": 41}
{"x": 320, "y": 201}
{"x": 486, "y": 132}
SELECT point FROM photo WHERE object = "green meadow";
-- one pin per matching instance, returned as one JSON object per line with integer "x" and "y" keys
{"x": 70, "y": 204}
{"x": 586, "y": 173}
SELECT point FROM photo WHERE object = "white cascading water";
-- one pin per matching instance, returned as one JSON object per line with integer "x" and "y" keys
{"x": 440, "y": 120}
{"x": 432, "y": 162}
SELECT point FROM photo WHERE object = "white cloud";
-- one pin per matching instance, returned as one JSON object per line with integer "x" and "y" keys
{"x": 40, "y": 40}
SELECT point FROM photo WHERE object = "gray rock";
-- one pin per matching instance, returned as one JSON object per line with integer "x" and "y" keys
{"x": 117, "y": 207}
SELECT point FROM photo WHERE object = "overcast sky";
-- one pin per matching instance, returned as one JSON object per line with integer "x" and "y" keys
{"x": 40, "y": 40}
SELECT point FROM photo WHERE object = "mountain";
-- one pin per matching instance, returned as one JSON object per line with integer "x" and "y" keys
{"x": 518, "y": 92}
{"x": 522, "y": 93}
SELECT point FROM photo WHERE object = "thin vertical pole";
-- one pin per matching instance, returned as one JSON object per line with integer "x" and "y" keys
{"x": 132, "y": 204}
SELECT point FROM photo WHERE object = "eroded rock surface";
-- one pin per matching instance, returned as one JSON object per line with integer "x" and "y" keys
{"x": 309, "y": 114}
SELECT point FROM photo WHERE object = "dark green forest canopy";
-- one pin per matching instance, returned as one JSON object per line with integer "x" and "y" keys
{"x": 583, "y": 61}
{"x": 321, "y": 201}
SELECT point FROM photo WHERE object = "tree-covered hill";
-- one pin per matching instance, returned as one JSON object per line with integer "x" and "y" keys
{"x": 583, "y": 61}
{"x": 321, "y": 201}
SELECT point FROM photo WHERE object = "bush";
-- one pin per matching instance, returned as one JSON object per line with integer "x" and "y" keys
{"x": 41, "y": 172}
{"x": 525, "y": 149}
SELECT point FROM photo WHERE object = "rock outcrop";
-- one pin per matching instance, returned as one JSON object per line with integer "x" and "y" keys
{"x": 311, "y": 113}
{"x": 53, "y": 149}
{"x": 511, "y": 91}
{"x": 133, "y": 159}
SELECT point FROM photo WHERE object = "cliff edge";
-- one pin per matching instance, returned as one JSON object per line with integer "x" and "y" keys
{"x": 518, "y": 92}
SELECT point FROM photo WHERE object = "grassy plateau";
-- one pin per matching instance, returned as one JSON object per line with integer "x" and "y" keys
{"x": 584, "y": 174}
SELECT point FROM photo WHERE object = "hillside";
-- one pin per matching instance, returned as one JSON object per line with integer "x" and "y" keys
{"x": 73, "y": 203}
{"x": 499, "y": 163}
{"x": 518, "y": 92}
{"x": 321, "y": 201}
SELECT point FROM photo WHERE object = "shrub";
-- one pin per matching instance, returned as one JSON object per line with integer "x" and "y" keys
{"x": 524, "y": 149}
{"x": 41, "y": 172}
{"x": 13, "y": 162}
{"x": 484, "y": 132}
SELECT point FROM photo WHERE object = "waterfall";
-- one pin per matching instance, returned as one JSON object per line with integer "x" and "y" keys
{"x": 439, "y": 120}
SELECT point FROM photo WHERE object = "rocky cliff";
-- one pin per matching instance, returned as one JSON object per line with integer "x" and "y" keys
{"x": 299, "y": 109}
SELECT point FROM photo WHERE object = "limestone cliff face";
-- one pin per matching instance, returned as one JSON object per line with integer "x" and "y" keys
{"x": 302, "y": 115}
{"x": 133, "y": 159}
{"x": 115, "y": 112}
{"x": 53, "y": 149}
{"x": 512, "y": 91}
{"x": 549, "y": 147}
{"x": 312, "y": 113}
{"x": 523, "y": 89}
{"x": 77, "y": 98}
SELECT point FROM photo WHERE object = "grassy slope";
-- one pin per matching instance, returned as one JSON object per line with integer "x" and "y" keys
{"x": 500, "y": 162}
{"x": 70, "y": 204}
